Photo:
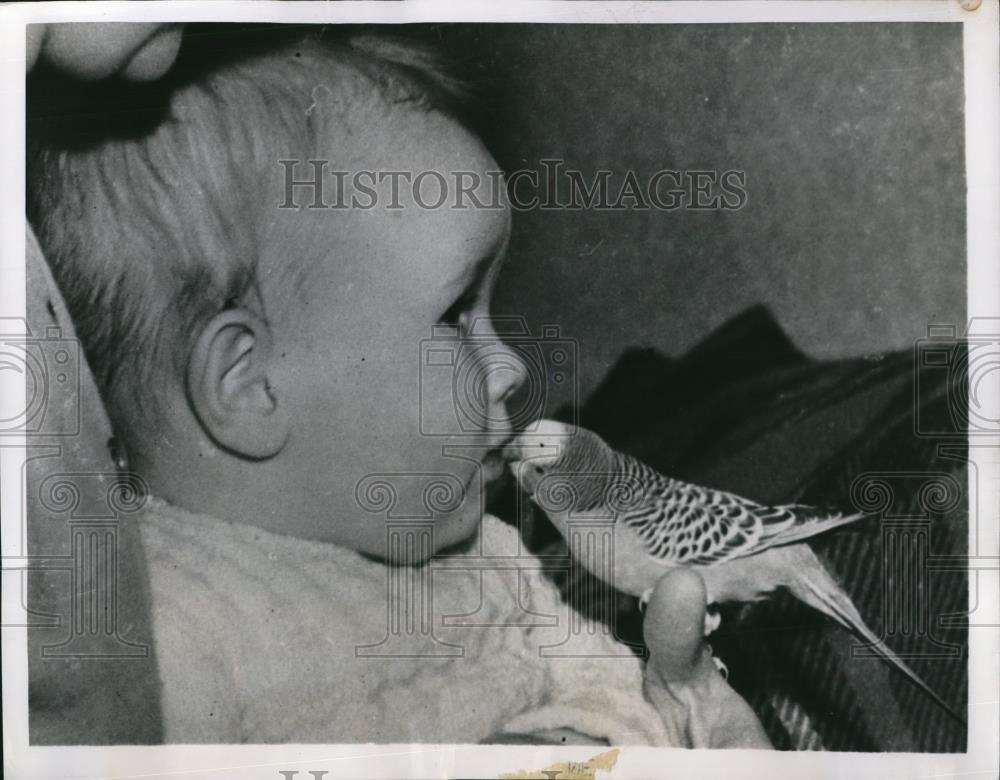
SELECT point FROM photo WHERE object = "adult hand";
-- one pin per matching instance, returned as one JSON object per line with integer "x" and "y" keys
{"x": 697, "y": 705}
{"x": 96, "y": 50}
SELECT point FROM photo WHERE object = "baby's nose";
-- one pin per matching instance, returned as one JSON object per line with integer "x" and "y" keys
{"x": 506, "y": 372}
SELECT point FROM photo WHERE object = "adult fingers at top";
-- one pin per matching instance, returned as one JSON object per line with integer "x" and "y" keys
{"x": 96, "y": 50}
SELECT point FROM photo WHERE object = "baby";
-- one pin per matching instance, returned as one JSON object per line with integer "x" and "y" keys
{"x": 260, "y": 365}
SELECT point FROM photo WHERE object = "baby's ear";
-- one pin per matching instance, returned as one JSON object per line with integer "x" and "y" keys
{"x": 227, "y": 384}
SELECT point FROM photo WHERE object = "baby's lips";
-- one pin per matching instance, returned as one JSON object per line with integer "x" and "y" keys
{"x": 512, "y": 452}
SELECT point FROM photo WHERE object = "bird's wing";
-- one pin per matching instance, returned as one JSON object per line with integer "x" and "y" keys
{"x": 683, "y": 524}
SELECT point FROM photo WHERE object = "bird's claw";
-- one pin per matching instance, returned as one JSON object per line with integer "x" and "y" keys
{"x": 644, "y": 599}
{"x": 721, "y": 666}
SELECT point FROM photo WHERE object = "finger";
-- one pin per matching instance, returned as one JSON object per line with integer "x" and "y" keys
{"x": 685, "y": 686}
{"x": 674, "y": 625}
{"x": 96, "y": 50}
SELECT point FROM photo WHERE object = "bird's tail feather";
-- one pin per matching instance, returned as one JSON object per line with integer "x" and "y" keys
{"x": 817, "y": 588}
{"x": 805, "y": 529}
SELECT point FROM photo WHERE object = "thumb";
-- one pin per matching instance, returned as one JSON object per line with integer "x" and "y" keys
{"x": 697, "y": 705}
{"x": 674, "y": 625}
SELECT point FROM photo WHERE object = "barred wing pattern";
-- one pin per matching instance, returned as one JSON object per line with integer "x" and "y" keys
{"x": 685, "y": 524}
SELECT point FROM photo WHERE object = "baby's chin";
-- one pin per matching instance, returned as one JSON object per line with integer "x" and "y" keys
{"x": 453, "y": 533}
{"x": 457, "y": 528}
{"x": 457, "y": 516}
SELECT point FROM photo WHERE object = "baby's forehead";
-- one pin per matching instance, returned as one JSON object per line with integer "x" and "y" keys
{"x": 397, "y": 139}
{"x": 380, "y": 229}
{"x": 361, "y": 177}
{"x": 391, "y": 164}
{"x": 381, "y": 209}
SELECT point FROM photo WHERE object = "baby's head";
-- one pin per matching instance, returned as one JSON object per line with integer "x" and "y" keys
{"x": 259, "y": 362}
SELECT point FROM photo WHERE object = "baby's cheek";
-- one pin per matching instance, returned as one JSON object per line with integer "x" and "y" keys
{"x": 463, "y": 522}
{"x": 437, "y": 403}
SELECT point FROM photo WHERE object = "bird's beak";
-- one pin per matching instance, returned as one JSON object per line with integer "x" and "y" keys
{"x": 525, "y": 480}
{"x": 532, "y": 452}
{"x": 541, "y": 445}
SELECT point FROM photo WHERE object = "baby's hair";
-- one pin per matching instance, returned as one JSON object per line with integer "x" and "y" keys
{"x": 147, "y": 203}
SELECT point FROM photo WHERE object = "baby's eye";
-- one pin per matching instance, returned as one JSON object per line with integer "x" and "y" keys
{"x": 453, "y": 315}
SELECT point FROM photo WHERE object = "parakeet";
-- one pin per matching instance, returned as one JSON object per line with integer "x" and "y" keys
{"x": 743, "y": 550}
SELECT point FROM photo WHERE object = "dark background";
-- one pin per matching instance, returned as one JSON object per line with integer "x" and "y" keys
{"x": 852, "y": 139}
